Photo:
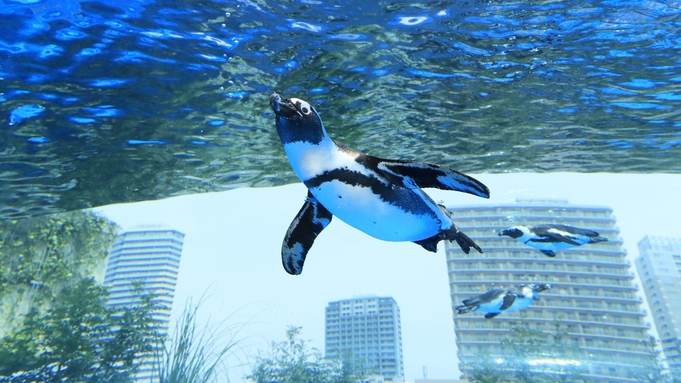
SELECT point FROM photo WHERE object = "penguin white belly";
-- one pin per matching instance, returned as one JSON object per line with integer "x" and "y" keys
{"x": 360, "y": 207}
{"x": 550, "y": 245}
{"x": 491, "y": 307}
{"x": 520, "y": 304}
{"x": 403, "y": 215}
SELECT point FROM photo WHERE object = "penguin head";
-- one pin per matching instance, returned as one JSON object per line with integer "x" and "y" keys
{"x": 515, "y": 232}
{"x": 296, "y": 120}
{"x": 535, "y": 288}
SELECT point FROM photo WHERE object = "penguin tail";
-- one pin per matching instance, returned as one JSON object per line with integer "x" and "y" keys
{"x": 598, "y": 239}
{"x": 463, "y": 309}
{"x": 430, "y": 244}
{"x": 470, "y": 302}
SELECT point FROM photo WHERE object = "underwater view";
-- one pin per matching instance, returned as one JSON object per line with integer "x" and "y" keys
{"x": 226, "y": 191}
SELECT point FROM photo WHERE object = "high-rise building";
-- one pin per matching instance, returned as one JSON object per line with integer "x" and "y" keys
{"x": 367, "y": 329}
{"x": 659, "y": 267}
{"x": 593, "y": 295}
{"x": 145, "y": 260}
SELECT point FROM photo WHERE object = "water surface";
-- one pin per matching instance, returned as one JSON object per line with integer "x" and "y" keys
{"x": 108, "y": 101}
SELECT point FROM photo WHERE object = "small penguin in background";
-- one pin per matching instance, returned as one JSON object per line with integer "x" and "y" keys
{"x": 549, "y": 238}
{"x": 496, "y": 301}
{"x": 381, "y": 197}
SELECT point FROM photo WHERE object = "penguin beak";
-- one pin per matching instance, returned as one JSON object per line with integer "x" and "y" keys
{"x": 283, "y": 107}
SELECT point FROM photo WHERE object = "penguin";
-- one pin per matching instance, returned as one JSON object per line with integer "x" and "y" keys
{"x": 496, "y": 301}
{"x": 381, "y": 197}
{"x": 548, "y": 238}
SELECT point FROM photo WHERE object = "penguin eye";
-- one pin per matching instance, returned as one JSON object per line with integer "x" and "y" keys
{"x": 302, "y": 107}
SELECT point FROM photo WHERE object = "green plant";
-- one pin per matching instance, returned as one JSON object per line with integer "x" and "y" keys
{"x": 292, "y": 361}
{"x": 79, "y": 339}
{"x": 192, "y": 354}
{"x": 44, "y": 254}
{"x": 532, "y": 356}
{"x": 653, "y": 371}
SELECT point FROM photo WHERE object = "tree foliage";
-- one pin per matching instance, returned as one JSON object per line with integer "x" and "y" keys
{"x": 292, "y": 361}
{"x": 41, "y": 255}
{"x": 79, "y": 339}
{"x": 653, "y": 371}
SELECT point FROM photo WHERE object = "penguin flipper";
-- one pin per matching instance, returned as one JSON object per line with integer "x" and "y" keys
{"x": 548, "y": 253}
{"x": 488, "y": 296}
{"x": 557, "y": 234}
{"x": 491, "y": 315}
{"x": 508, "y": 301}
{"x": 568, "y": 229}
{"x": 301, "y": 234}
{"x": 412, "y": 174}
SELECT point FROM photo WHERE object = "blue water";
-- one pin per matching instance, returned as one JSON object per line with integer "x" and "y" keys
{"x": 111, "y": 101}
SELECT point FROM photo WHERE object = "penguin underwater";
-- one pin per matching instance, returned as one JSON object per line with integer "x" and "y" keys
{"x": 548, "y": 238}
{"x": 496, "y": 301}
{"x": 381, "y": 197}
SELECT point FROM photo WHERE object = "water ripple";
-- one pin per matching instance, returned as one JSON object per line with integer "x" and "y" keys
{"x": 154, "y": 99}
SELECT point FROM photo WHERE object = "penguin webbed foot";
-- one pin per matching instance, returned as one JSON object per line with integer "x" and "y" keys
{"x": 453, "y": 234}
{"x": 464, "y": 241}
{"x": 491, "y": 315}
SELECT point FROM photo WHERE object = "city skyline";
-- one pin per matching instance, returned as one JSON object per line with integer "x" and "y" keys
{"x": 145, "y": 261}
{"x": 659, "y": 265}
{"x": 592, "y": 295}
{"x": 232, "y": 256}
{"x": 368, "y": 328}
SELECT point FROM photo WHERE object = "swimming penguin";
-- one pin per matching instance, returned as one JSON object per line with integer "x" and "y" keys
{"x": 496, "y": 301}
{"x": 380, "y": 197}
{"x": 548, "y": 238}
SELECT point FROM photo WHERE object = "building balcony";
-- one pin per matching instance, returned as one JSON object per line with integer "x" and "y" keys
{"x": 507, "y": 281}
{"x": 491, "y": 249}
{"x": 599, "y": 298}
{"x": 542, "y": 259}
{"x": 531, "y": 315}
{"x": 550, "y": 271}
